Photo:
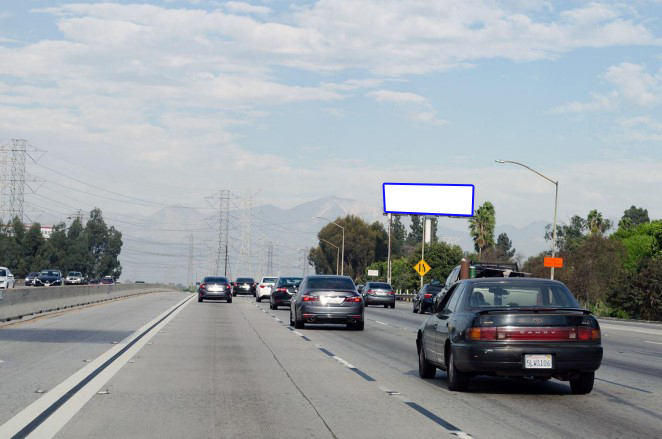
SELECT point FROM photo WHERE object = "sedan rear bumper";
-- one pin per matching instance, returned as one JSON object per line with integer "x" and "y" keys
{"x": 332, "y": 318}
{"x": 379, "y": 300}
{"x": 221, "y": 295}
{"x": 509, "y": 360}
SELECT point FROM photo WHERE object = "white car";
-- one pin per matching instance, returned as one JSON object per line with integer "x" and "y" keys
{"x": 6, "y": 278}
{"x": 74, "y": 278}
{"x": 263, "y": 289}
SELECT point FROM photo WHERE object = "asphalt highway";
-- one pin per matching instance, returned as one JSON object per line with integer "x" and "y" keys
{"x": 163, "y": 365}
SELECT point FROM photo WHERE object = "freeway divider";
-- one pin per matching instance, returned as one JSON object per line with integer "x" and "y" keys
{"x": 16, "y": 303}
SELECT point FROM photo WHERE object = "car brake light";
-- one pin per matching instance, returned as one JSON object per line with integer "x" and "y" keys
{"x": 281, "y": 290}
{"x": 585, "y": 333}
{"x": 392, "y": 293}
{"x": 481, "y": 334}
{"x": 428, "y": 296}
{"x": 370, "y": 292}
{"x": 307, "y": 298}
{"x": 262, "y": 286}
{"x": 352, "y": 299}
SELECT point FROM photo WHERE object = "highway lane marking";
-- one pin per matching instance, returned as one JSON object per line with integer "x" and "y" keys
{"x": 437, "y": 419}
{"x": 638, "y": 330}
{"x": 623, "y": 385}
{"x": 46, "y": 416}
{"x": 645, "y": 341}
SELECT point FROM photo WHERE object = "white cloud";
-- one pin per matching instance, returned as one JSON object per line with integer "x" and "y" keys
{"x": 631, "y": 84}
{"x": 246, "y": 8}
{"x": 419, "y": 108}
{"x": 397, "y": 97}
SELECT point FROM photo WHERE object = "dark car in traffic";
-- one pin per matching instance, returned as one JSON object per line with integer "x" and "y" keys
{"x": 107, "y": 280}
{"x": 283, "y": 290}
{"x": 30, "y": 278}
{"x": 424, "y": 298}
{"x": 327, "y": 299}
{"x": 215, "y": 288}
{"x": 244, "y": 285}
{"x": 48, "y": 278}
{"x": 510, "y": 327}
{"x": 378, "y": 293}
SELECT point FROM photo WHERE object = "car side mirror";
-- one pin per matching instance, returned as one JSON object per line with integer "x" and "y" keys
{"x": 197, "y": 283}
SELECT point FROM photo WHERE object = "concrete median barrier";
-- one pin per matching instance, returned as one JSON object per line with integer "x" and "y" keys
{"x": 16, "y": 303}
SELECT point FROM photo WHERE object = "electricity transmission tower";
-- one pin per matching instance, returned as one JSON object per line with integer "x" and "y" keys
{"x": 12, "y": 179}
{"x": 190, "y": 260}
{"x": 270, "y": 259}
{"x": 245, "y": 254}
{"x": 222, "y": 202}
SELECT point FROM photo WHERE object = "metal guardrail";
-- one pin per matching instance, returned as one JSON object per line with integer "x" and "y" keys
{"x": 405, "y": 297}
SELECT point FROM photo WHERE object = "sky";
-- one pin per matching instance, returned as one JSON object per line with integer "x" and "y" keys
{"x": 169, "y": 101}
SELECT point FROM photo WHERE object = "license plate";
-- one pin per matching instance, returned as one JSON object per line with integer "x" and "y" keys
{"x": 538, "y": 361}
{"x": 331, "y": 300}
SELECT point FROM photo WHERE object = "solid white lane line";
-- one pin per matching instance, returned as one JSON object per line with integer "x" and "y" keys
{"x": 645, "y": 341}
{"x": 638, "y": 330}
{"x": 298, "y": 333}
{"x": 49, "y": 427}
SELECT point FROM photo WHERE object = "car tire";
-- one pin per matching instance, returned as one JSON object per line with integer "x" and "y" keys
{"x": 393, "y": 306}
{"x": 457, "y": 380}
{"x": 421, "y": 310}
{"x": 385, "y": 306}
{"x": 583, "y": 384}
{"x": 199, "y": 299}
{"x": 426, "y": 370}
{"x": 291, "y": 319}
{"x": 258, "y": 299}
{"x": 234, "y": 294}
{"x": 299, "y": 324}
{"x": 230, "y": 300}
{"x": 414, "y": 310}
{"x": 359, "y": 326}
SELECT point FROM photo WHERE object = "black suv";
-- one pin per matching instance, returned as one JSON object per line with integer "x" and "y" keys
{"x": 243, "y": 285}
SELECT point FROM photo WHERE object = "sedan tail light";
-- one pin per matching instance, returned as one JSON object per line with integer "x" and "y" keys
{"x": 586, "y": 333}
{"x": 307, "y": 298}
{"x": 262, "y": 286}
{"x": 370, "y": 292}
{"x": 481, "y": 334}
{"x": 354, "y": 299}
{"x": 392, "y": 293}
{"x": 428, "y": 296}
{"x": 281, "y": 290}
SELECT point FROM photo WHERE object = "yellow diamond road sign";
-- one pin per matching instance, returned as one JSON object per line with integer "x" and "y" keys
{"x": 422, "y": 267}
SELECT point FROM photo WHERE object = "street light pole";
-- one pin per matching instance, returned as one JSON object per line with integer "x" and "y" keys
{"x": 342, "y": 265}
{"x": 337, "y": 253}
{"x": 556, "y": 203}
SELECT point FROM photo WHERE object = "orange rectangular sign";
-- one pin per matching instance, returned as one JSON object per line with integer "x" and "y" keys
{"x": 554, "y": 262}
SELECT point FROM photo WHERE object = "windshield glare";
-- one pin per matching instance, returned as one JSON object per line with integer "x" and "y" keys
{"x": 330, "y": 283}
{"x": 521, "y": 295}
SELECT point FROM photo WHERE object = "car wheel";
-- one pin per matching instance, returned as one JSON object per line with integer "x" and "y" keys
{"x": 393, "y": 306}
{"x": 199, "y": 299}
{"x": 421, "y": 310}
{"x": 230, "y": 300}
{"x": 291, "y": 319}
{"x": 234, "y": 294}
{"x": 426, "y": 369}
{"x": 583, "y": 384}
{"x": 457, "y": 380}
{"x": 258, "y": 299}
{"x": 414, "y": 310}
{"x": 359, "y": 326}
{"x": 299, "y": 324}
{"x": 385, "y": 306}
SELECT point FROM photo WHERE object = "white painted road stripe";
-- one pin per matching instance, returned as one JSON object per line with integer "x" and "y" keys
{"x": 645, "y": 341}
{"x": 62, "y": 415}
{"x": 638, "y": 330}
{"x": 344, "y": 362}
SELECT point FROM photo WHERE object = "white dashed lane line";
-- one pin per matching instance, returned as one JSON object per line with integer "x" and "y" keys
{"x": 420, "y": 409}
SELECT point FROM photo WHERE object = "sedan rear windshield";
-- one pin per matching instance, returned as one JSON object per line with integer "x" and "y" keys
{"x": 330, "y": 283}
{"x": 380, "y": 286}
{"x": 432, "y": 290}
{"x": 269, "y": 280}
{"x": 289, "y": 281}
{"x": 485, "y": 296}
{"x": 245, "y": 280}
{"x": 216, "y": 280}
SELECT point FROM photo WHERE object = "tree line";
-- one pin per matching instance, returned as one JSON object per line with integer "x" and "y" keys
{"x": 92, "y": 248}
{"x": 614, "y": 274}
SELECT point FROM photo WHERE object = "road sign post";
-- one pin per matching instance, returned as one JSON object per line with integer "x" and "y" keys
{"x": 421, "y": 268}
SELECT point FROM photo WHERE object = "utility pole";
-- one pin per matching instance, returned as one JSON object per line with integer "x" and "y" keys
{"x": 388, "y": 260}
{"x": 190, "y": 260}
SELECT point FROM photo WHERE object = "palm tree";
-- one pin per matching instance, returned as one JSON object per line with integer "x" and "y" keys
{"x": 597, "y": 225}
{"x": 481, "y": 226}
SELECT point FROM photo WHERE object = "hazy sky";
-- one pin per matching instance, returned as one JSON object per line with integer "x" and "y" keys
{"x": 168, "y": 101}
